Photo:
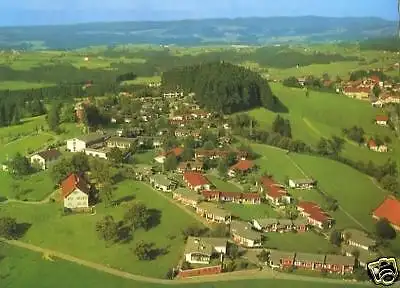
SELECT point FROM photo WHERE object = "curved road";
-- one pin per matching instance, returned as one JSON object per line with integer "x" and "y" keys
{"x": 233, "y": 276}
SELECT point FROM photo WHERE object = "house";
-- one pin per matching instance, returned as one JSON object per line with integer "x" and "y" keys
{"x": 250, "y": 198}
{"x": 244, "y": 235}
{"x": 266, "y": 224}
{"x": 43, "y": 159}
{"x": 75, "y": 192}
{"x": 211, "y": 195}
{"x": 339, "y": 264}
{"x": 361, "y": 93}
{"x": 302, "y": 183}
{"x": 242, "y": 167}
{"x": 281, "y": 259}
{"x": 79, "y": 144}
{"x": 99, "y": 153}
{"x": 196, "y": 166}
{"x": 202, "y": 250}
{"x": 309, "y": 261}
{"x": 177, "y": 152}
{"x": 382, "y": 120}
{"x": 216, "y": 154}
{"x": 120, "y": 142}
{"x": 274, "y": 193}
{"x": 212, "y": 213}
{"x": 300, "y": 225}
{"x": 234, "y": 197}
{"x": 375, "y": 147}
{"x": 180, "y": 133}
{"x": 187, "y": 197}
{"x": 363, "y": 256}
{"x": 389, "y": 209}
{"x": 196, "y": 181}
{"x": 285, "y": 225}
{"x": 358, "y": 239}
{"x": 161, "y": 182}
{"x": 314, "y": 214}
{"x": 142, "y": 171}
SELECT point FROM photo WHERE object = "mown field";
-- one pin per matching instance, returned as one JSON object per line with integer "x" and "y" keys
{"x": 76, "y": 235}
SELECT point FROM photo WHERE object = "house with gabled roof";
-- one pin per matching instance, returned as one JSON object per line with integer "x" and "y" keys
{"x": 200, "y": 250}
{"x": 244, "y": 235}
{"x": 382, "y": 120}
{"x": 177, "y": 152}
{"x": 274, "y": 192}
{"x": 281, "y": 259}
{"x": 309, "y": 261}
{"x": 358, "y": 239}
{"x": 162, "y": 182}
{"x": 79, "y": 144}
{"x": 389, "y": 209}
{"x": 43, "y": 159}
{"x": 75, "y": 192}
{"x": 120, "y": 142}
{"x": 372, "y": 145}
{"x": 212, "y": 213}
{"x": 339, "y": 264}
{"x": 187, "y": 197}
{"x": 242, "y": 167}
{"x": 363, "y": 257}
{"x": 196, "y": 166}
{"x": 302, "y": 183}
{"x": 196, "y": 181}
{"x": 314, "y": 214}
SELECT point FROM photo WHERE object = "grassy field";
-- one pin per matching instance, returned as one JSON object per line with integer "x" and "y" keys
{"x": 317, "y": 116}
{"x": 223, "y": 185}
{"x": 248, "y": 212}
{"x": 32, "y": 188}
{"x": 142, "y": 80}
{"x": 21, "y": 85}
{"x": 76, "y": 235}
{"x": 20, "y": 268}
{"x": 307, "y": 242}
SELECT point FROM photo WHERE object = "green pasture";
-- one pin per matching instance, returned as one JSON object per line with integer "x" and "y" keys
{"x": 65, "y": 233}
{"x": 249, "y": 212}
{"x": 223, "y": 185}
{"x": 22, "y": 85}
{"x": 142, "y": 80}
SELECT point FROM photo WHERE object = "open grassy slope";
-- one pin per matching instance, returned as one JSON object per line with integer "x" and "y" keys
{"x": 76, "y": 235}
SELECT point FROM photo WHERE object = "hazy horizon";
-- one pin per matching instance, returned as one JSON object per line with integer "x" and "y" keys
{"x": 62, "y": 12}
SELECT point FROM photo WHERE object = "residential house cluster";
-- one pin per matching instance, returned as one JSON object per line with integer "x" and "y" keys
{"x": 361, "y": 89}
{"x": 183, "y": 119}
{"x": 234, "y": 197}
{"x": 314, "y": 214}
{"x": 275, "y": 193}
{"x": 280, "y": 225}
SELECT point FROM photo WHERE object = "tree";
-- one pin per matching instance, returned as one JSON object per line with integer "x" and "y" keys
{"x": 61, "y": 169}
{"x": 209, "y": 145}
{"x": 143, "y": 250}
{"x": 263, "y": 256}
{"x": 137, "y": 216}
{"x": 222, "y": 168}
{"x": 106, "y": 194}
{"x": 231, "y": 159}
{"x": 100, "y": 170}
{"x": 188, "y": 154}
{"x": 384, "y": 229}
{"x": 390, "y": 183}
{"x": 80, "y": 162}
{"x": 171, "y": 163}
{"x": 186, "y": 265}
{"x": 291, "y": 212}
{"x": 376, "y": 90}
{"x": 232, "y": 251}
{"x": 336, "y": 238}
{"x": 107, "y": 229}
{"x": 336, "y": 145}
{"x": 323, "y": 147}
{"x": 8, "y": 227}
{"x": 53, "y": 116}
{"x": 116, "y": 155}
{"x": 20, "y": 165}
{"x": 68, "y": 114}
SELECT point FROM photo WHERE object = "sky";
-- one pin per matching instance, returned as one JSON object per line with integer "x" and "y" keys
{"x": 53, "y": 12}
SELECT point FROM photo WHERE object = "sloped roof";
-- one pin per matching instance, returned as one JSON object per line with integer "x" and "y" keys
{"x": 49, "y": 154}
{"x": 243, "y": 165}
{"x": 389, "y": 209}
{"x": 195, "y": 179}
{"x": 72, "y": 183}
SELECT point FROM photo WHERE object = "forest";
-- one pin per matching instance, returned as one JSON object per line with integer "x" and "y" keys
{"x": 388, "y": 44}
{"x": 221, "y": 87}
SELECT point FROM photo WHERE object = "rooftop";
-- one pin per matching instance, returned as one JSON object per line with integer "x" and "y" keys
{"x": 267, "y": 221}
{"x": 339, "y": 259}
{"x": 198, "y": 245}
{"x": 359, "y": 237}
{"x": 49, "y": 154}
{"x": 277, "y": 255}
{"x": 389, "y": 209}
{"x": 161, "y": 179}
{"x": 195, "y": 179}
{"x": 243, "y": 229}
{"x": 243, "y": 165}
{"x": 310, "y": 257}
{"x": 213, "y": 209}
{"x": 73, "y": 182}
{"x": 188, "y": 194}
{"x": 91, "y": 138}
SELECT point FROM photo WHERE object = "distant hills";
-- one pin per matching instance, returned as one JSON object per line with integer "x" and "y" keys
{"x": 244, "y": 31}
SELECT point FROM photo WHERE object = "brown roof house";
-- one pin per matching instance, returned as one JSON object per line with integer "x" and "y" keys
{"x": 202, "y": 250}
{"x": 243, "y": 234}
{"x": 339, "y": 264}
{"x": 43, "y": 159}
{"x": 309, "y": 261}
{"x": 212, "y": 213}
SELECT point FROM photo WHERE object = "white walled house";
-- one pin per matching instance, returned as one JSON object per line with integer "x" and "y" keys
{"x": 99, "y": 153}
{"x": 43, "y": 159}
{"x": 79, "y": 144}
{"x": 75, "y": 192}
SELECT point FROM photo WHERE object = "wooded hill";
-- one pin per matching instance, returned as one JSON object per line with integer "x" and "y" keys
{"x": 221, "y": 87}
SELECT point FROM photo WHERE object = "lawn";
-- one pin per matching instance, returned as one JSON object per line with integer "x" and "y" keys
{"x": 142, "y": 80}
{"x": 21, "y": 85}
{"x": 34, "y": 187}
{"x": 307, "y": 242}
{"x": 223, "y": 185}
{"x": 248, "y": 212}
{"x": 76, "y": 235}
{"x": 146, "y": 157}
{"x": 21, "y": 268}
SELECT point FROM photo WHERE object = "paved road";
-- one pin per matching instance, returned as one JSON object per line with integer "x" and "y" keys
{"x": 233, "y": 276}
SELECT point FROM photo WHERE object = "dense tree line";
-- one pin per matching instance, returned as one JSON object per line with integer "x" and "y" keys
{"x": 388, "y": 44}
{"x": 221, "y": 87}
{"x": 360, "y": 74}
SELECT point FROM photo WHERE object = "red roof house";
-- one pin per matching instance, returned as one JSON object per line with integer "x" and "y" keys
{"x": 382, "y": 120}
{"x": 177, "y": 152}
{"x": 242, "y": 166}
{"x": 274, "y": 192}
{"x": 196, "y": 181}
{"x": 75, "y": 192}
{"x": 389, "y": 209}
{"x": 314, "y": 214}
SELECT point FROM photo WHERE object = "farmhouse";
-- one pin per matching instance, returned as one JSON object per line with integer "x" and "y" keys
{"x": 389, "y": 209}
{"x": 161, "y": 182}
{"x": 274, "y": 193}
{"x": 75, "y": 192}
{"x": 212, "y": 213}
{"x": 302, "y": 183}
{"x": 358, "y": 239}
{"x": 314, "y": 214}
{"x": 375, "y": 147}
{"x": 187, "y": 197}
{"x": 120, "y": 142}
{"x": 339, "y": 264}
{"x": 177, "y": 152}
{"x": 382, "y": 120}
{"x": 281, "y": 259}
{"x": 201, "y": 250}
{"x": 196, "y": 181}
{"x": 79, "y": 144}
{"x": 241, "y": 167}
{"x": 309, "y": 261}
{"x": 43, "y": 159}
{"x": 243, "y": 234}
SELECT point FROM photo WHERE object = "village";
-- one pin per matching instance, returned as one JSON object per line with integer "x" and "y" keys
{"x": 183, "y": 174}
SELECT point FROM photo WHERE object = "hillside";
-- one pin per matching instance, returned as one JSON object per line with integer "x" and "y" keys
{"x": 197, "y": 32}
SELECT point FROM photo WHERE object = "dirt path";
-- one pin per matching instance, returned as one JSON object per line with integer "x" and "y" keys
{"x": 233, "y": 276}
{"x": 339, "y": 206}
{"x": 183, "y": 208}
{"x": 44, "y": 201}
